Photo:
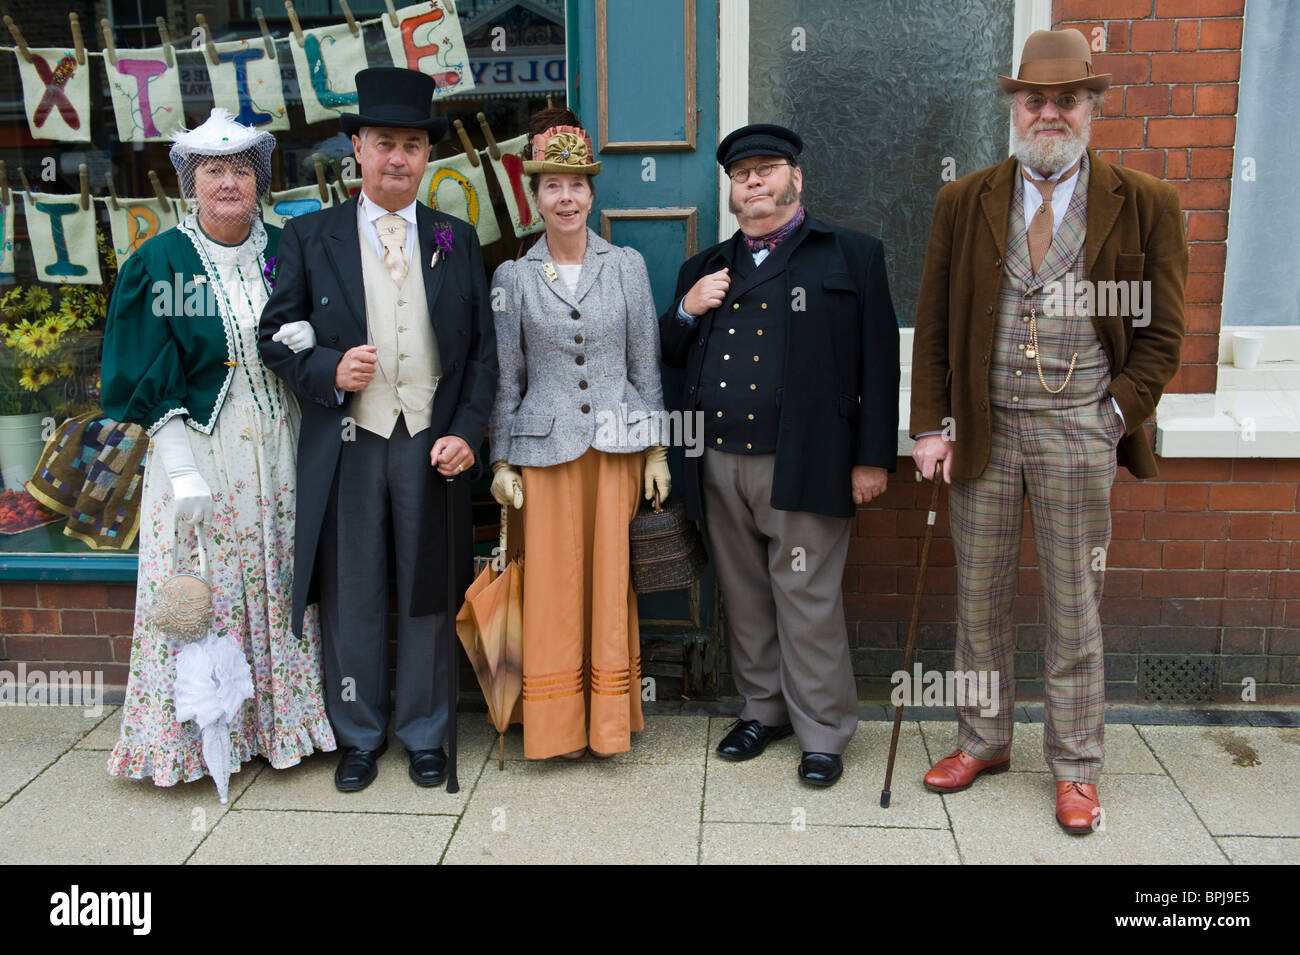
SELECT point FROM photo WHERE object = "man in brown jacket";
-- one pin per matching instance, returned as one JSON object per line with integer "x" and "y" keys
{"x": 1049, "y": 321}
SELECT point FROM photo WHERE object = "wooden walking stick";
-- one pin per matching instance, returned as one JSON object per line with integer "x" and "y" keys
{"x": 911, "y": 627}
{"x": 453, "y": 681}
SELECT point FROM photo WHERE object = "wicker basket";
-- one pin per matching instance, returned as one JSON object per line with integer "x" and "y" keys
{"x": 667, "y": 552}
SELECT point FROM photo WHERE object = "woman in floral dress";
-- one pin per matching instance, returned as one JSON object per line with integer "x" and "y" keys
{"x": 181, "y": 360}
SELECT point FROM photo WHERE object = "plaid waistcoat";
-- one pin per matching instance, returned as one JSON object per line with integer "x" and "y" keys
{"x": 1013, "y": 378}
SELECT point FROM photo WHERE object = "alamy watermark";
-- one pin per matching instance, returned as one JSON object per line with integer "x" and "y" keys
{"x": 638, "y": 429}
{"x": 83, "y": 688}
{"x": 946, "y": 688}
{"x": 1084, "y": 297}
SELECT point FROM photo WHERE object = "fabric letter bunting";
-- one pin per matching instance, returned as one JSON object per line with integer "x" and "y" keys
{"x": 146, "y": 95}
{"x": 7, "y": 239}
{"x": 248, "y": 84}
{"x": 135, "y": 221}
{"x": 509, "y": 170}
{"x": 56, "y": 94}
{"x": 290, "y": 203}
{"x": 327, "y": 63}
{"x": 457, "y": 187}
{"x": 428, "y": 38}
{"x": 63, "y": 238}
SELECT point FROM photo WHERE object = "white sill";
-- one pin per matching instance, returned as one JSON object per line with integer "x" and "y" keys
{"x": 1254, "y": 414}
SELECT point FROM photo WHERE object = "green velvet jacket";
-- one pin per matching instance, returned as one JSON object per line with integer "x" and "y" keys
{"x": 166, "y": 348}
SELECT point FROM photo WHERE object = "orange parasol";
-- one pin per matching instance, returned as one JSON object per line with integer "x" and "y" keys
{"x": 490, "y": 627}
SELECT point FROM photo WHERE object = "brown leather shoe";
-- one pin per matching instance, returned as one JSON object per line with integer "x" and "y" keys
{"x": 1078, "y": 809}
{"x": 958, "y": 770}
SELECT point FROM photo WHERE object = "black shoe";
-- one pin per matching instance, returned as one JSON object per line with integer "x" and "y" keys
{"x": 428, "y": 766}
{"x": 748, "y": 738}
{"x": 820, "y": 769}
{"x": 357, "y": 768}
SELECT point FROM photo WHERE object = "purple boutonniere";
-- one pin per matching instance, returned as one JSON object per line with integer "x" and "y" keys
{"x": 268, "y": 273}
{"x": 442, "y": 243}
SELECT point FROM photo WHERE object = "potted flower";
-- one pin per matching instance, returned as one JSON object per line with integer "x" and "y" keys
{"x": 50, "y": 340}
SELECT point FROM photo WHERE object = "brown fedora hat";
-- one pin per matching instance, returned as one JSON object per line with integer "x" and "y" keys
{"x": 1055, "y": 58}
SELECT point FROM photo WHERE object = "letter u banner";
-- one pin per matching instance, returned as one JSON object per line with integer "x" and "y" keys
{"x": 329, "y": 59}
{"x": 63, "y": 239}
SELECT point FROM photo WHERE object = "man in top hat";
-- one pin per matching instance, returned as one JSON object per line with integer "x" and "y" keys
{"x": 396, "y": 393}
{"x": 790, "y": 345}
{"x": 1032, "y": 375}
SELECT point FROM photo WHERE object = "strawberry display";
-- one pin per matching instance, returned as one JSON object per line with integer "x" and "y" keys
{"x": 19, "y": 512}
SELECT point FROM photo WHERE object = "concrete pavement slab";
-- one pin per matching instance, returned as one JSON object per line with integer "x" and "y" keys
{"x": 582, "y": 811}
{"x": 1011, "y": 819}
{"x": 767, "y": 788}
{"x": 731, "y": 843}
{"x": 1228, "y": 772}
{"x": 76, "y": 813}
{"x": 255, "y": 837}
{"x": 1261, "y": 850}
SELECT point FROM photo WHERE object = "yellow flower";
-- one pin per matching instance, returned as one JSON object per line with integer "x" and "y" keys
{"x": 39, "y": 341}
{"x": 30, "y": 379}
{"x": 37, "y": 299}
{"x": 46, "y": 376}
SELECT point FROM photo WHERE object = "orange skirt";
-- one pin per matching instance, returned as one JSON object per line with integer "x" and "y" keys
{"x": 582, "y": 644}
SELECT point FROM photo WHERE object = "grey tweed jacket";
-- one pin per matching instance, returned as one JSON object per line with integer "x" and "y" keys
{"x": 578, "y": 370}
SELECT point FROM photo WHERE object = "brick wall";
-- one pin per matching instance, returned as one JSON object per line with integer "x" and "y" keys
{"x": 1171, "y": 112}
{"x": 67, "y": 626}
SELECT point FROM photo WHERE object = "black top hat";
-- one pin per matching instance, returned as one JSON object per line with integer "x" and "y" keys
{"x": 759, "y": 139}
{"x": 392, "y": 96}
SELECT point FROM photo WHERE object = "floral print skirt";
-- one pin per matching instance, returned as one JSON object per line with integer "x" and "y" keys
{"x": 249, "y": 463}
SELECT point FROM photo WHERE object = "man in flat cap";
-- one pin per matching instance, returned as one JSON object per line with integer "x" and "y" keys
{"x": 396, "y": 392}
{"x": 1033, "y": 375}
{"x": 790, "y": 345}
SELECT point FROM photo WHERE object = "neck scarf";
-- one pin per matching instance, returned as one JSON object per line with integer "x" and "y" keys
{"x": 776, "y": 236}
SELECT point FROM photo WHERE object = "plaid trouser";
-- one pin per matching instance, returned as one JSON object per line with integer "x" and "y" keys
{"x": 1064, "y": 460}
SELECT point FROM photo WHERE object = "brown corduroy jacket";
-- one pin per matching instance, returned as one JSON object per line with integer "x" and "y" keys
{"x": 1135, "y": 233}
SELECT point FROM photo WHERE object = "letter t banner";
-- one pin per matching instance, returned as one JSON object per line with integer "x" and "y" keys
{"x": 248, "y": 84}
{"x": 146, "y": 96}
{"x": 63, "y": 239}
{"x": 56, "y": 94}
{"x": 428, "y": 38}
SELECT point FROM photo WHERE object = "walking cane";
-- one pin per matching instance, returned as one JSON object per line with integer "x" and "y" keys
{"x": 453, "y": 678}
{"x": 911, "y": 629}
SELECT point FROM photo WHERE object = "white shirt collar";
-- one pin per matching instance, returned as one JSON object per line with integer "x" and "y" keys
{"x": 373, "y": 210}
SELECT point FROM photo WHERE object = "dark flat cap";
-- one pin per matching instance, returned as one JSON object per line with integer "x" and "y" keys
{"x": 759, "y": 139}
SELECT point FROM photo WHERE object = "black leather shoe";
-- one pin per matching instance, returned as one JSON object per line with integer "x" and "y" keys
{"x": 357, "y": 769}
{"x": 748, "y": 738}
{"x": 820, "y": 769}
{"x": 428, "y": 767}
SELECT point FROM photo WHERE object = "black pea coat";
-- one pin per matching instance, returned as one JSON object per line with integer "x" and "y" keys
{"x": 838, "y": 400}
{"x": 318, "y": 278}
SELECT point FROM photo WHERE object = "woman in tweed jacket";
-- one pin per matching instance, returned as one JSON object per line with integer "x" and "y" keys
{"x": 574, "y": 434}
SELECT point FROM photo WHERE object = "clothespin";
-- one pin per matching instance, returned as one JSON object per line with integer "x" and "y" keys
{"x": 202, "y": 21}
{"x": 266, "y": 34}
{"x": 112, "y": 196}
{"x": 341, "y": 187}
{"x": 77, "y": 45}
{"x": 465, "y": 144}
{"x": 293, "y": 21}
{"x": 164, "y": 37}
{"x": 110, "y": 48}
{"x": 451, "y": 7}
{"x": 320, "y": 177}
{"x": 550, "y": 103}
{"x": 163, "y": 201}
{"x": 352, "y": 21}
{"x": 4, "y": 184}
{"x": 27, "y": 186}
{"x": 84, "y": 176}
{"x": 493, "y": 149}
{"x": 392, "y": 13}
{"x": 18, "y": 38}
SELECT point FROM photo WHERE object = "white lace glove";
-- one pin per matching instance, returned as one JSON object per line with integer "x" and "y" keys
{"x": 298, "y": 336}
{"x": 192, "y": 494}
{"x": 507, "y": 485}
{"x": 658, "y": 482}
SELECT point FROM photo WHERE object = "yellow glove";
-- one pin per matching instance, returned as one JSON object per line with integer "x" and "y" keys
{"x": 658, "y": 482}
{"x": 507, "y": 485}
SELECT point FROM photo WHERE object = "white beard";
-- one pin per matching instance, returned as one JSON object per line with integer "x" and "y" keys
{"x": 1049, "y": 156}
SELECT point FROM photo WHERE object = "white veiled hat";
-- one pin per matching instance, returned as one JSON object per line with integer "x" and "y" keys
{"x": 220, "y": 135}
